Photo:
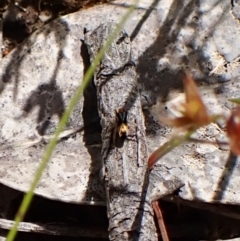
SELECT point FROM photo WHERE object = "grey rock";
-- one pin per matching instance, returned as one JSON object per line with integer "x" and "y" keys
{"x": 39, "y": 77}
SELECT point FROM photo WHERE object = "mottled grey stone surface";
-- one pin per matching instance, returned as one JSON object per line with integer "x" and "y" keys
{"x": 40, "y": 76}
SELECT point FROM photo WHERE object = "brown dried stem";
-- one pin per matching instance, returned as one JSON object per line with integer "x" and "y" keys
{"x": 162, "y": 227}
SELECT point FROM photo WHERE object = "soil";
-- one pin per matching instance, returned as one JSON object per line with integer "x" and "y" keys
{"x": 21, "y": 17}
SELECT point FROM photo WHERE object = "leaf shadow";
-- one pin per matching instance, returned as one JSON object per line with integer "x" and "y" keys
{"x": 92, "y": 133}
{"x": 156, "y": 82}
{"x": 47, "y": 95}
{"x": 224, "y": 180}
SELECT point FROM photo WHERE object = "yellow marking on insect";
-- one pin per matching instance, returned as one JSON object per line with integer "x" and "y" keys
{"x": 123, "y": 127}
{"x": 123, "y": 130}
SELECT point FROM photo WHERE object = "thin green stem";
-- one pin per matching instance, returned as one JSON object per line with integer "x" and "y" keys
{"x": 234, "y": 100}
{"x": 175, "y": 142}
{"x": 49, "y": 150}
{"x": 167, "y": 147}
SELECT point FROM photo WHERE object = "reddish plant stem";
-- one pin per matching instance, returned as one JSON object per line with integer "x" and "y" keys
{"x": 162, "y": 227}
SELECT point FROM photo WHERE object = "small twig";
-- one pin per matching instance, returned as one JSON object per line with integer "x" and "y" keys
{"x": 20, "y": 7}
{"x": 162, "y": 227}
{"x": 58, "y": 229}
{"x": 41, "y": 139}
